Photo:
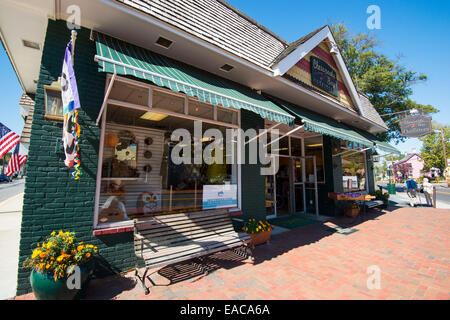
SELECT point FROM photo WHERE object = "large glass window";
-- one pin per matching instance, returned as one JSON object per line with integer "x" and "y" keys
{"x": 353, "y": 167}
{"x": 140, "y": 178}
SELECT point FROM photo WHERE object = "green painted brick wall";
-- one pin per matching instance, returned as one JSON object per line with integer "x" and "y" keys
{"x": 326, "y": 205}
{"x": 52, "y": 200}
{"x": 252, "y": 182}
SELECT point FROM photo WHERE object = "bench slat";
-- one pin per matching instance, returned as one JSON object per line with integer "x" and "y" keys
{"x": 187, "y": 244}
{"x": 164, "y": 224}
{"x": 161, "y": 242}
{"x": 173, "y": 238}
{"x": 230, "y": 243}
{"x": 184, "y": 226}
{"x": 173, "y": 218}
{"x": 191, "y": 256}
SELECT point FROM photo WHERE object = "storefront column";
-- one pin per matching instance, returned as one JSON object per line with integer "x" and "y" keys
{"x": 370, "y": 172}
{"x": 252, "y": 182}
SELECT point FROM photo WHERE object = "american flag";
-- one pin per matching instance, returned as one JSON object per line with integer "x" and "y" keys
{"x": 15, "y": 162}
{"x": 8, "y": 139}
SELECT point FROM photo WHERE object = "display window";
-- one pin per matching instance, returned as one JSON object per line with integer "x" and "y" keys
{"x": 138, "y": 175}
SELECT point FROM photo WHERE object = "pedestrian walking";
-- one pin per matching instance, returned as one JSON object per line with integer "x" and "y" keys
{"x": 411, "y": 190}
{"x": 428, "y": 191}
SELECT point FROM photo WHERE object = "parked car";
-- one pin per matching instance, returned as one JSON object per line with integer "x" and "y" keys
{"x": 4, "y": 177}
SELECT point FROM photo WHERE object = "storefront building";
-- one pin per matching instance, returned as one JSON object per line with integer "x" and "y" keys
{"x": 163, "y": 69}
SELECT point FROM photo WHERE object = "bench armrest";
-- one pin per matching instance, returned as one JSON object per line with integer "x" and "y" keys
{"x": 138, "y": 236}
{"x": 237, "y": 219}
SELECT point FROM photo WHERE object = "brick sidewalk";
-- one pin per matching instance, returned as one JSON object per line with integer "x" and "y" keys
{"x": 409, "y": 245}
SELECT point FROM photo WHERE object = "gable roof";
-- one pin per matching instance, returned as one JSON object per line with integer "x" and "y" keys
{"x": 294, "y": 45}
{"x": 222, "y": 25}
{"x": 236, "y": 32}
{"x": 407, "y": 158}
{"x": 308, "y": 43}
{"x": 370, "y": 112}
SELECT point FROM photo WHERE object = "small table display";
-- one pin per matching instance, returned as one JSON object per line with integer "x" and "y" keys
{"x": 351, "y": 196}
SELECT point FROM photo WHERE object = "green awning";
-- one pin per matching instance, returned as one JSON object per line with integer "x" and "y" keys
{"x": 320, "y": 124}
{"x": 116, "y": 56}
{"x": 383, "y": 146}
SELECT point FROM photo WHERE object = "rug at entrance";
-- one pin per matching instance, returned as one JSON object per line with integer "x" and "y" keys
{"x": 292, "y": 222}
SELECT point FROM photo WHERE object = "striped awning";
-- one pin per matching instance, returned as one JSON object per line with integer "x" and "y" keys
{"x": 320, "y": 124}
{"x": 381, "y": 145}
{"x": 122, "y": 58}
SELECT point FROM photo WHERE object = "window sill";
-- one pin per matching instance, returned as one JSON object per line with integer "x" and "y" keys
{"x": 101, "y": 232}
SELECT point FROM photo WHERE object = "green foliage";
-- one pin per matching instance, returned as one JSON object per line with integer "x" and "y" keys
{"x": 254, "y": 227}
{"x": 432, "y": 149}
{"x": 59, "y": 253}
{"x": 384, "y": 81}
{"x": 380, "y": 195}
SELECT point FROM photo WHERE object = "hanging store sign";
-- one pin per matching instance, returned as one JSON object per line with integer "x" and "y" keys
{"x": 323, "y": 76}
{"x": 416, "y": 126}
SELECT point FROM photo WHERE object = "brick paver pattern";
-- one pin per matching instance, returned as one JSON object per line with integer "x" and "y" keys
{"x": 409, "y": 245}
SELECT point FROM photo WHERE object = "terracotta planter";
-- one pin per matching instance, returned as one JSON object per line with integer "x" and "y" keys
{"x": 260, "y": 238}
{"x": 350, "y": 212}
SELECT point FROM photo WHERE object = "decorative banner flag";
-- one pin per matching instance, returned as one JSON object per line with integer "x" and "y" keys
{"x": 71, "y": 104}
{"x": 8, "y": 139}
{"x": 15, "y": 162}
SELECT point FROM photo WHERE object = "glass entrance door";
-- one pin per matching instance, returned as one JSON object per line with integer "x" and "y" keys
{"x": 311, "y": 192}
{"x": 298, "y": 184}
{"x": 270, "y": 197}
{"x": 283, "y": 188}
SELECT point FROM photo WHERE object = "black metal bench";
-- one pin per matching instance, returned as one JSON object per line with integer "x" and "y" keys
{"x": 167, "y": 239}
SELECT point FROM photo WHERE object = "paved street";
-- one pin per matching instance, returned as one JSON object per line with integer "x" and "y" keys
{"x": 10, "y": 189}
{"x": 11, "y": 199}
{"x": 401, "y": 198}
{"x": 326, "y": 260}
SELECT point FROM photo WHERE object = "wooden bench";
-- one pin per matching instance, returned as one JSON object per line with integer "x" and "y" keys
{"x": 371, "y": 204}
{"x": 167, "y": 239}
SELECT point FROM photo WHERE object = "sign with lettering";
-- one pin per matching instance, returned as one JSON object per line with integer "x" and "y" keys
{"x": 323, "y": 76}
{"x": 416, "y": 126}
{"x": 219, "y": 196}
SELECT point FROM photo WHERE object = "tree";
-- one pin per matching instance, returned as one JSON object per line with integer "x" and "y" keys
{"x": 385, "y": 82}
{"x": 432, "y": 149}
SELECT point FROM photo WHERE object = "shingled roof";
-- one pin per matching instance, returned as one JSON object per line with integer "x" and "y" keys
{"x": 222, "y": 25}
{"x": 27, "y": 101}
{"x": 237, "y": 33}
{"x": 294, "y": 45}
{"x": 369, "y": 111}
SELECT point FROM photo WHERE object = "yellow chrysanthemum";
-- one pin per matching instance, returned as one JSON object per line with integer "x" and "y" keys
{"x": 36, "y": 252}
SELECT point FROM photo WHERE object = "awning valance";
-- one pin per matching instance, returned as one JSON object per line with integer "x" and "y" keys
{"x": 381, "y": 145}
{"x": 320, "y": 124}
{"x": 119, "y": 57}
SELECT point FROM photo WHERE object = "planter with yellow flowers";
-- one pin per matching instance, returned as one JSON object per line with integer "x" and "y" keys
{"x": 259, "y": 231}
{"x": 54, "y": 275}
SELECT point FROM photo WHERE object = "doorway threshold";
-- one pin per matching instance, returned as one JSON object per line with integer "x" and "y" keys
{"x": 313, "y": 217}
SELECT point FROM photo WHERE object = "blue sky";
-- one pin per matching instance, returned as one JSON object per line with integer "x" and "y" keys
{"x": 415, "y": 30}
